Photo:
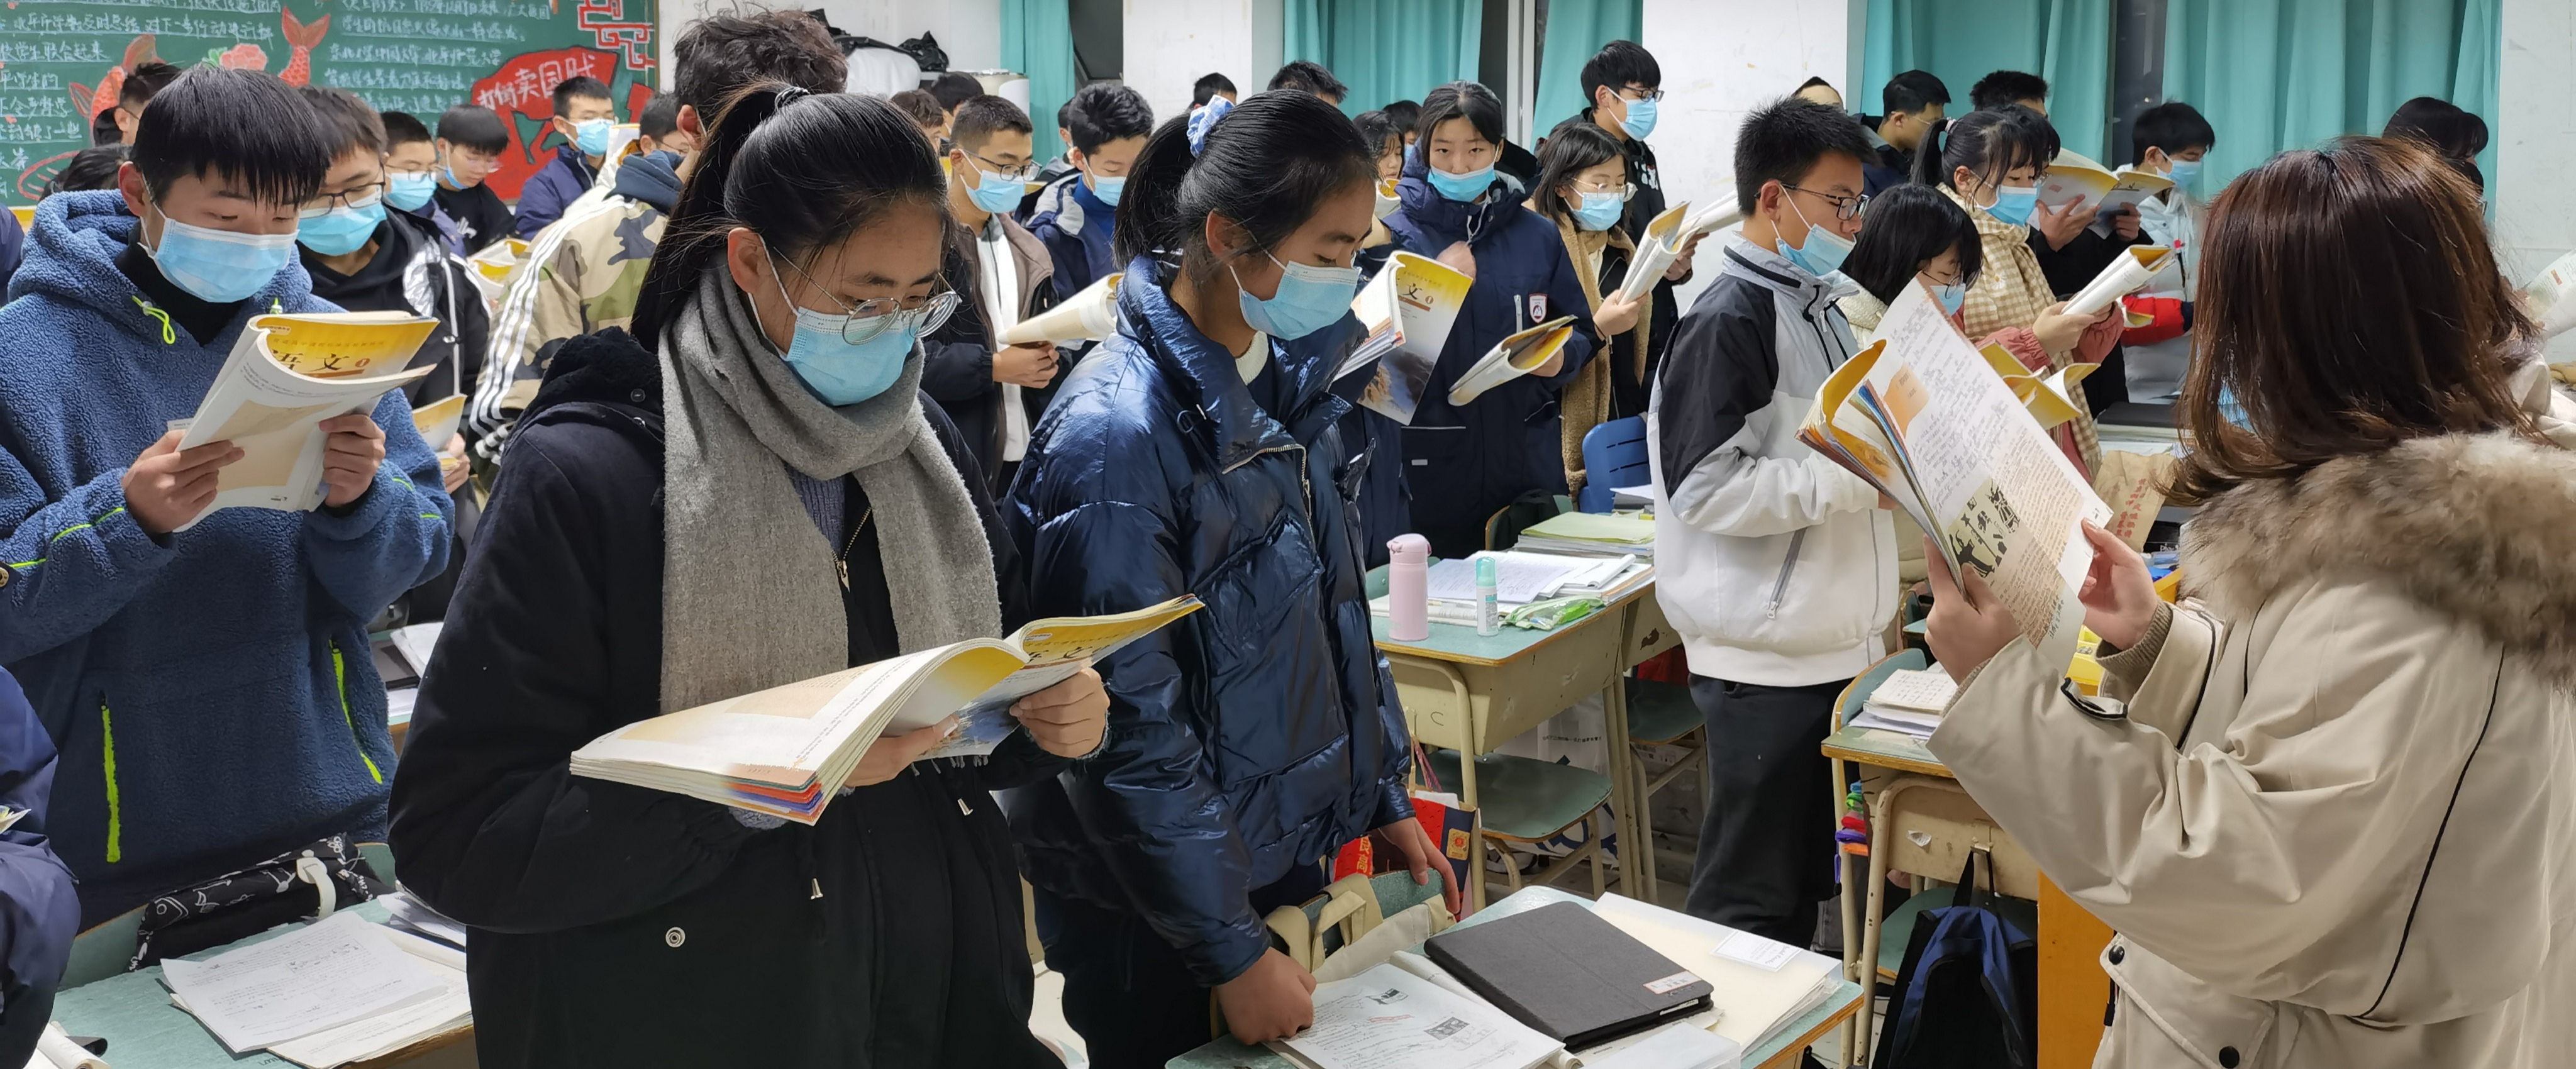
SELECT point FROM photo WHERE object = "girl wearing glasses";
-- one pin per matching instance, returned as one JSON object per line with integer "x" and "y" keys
{"x": 1583, "y": 188}
{"x": 748, "y": 492}
{"x": 1463, "y": 463}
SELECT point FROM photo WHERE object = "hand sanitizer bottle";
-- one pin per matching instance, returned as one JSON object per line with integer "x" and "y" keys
{"x": 1489, "y": 609}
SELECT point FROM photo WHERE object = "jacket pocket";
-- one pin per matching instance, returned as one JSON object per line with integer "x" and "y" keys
{"x": 2185, "y": 1022}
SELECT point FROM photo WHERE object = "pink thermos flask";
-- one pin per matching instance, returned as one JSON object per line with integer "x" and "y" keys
{"x": 1408, "y": 588}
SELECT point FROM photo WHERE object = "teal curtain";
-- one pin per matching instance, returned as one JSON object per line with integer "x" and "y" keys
{"x": 1037, "y": 40}
{"x": 1575, "y": 30}
{"x": 2281, "y": 74}
{"x": 2067, "y": 42}
{"x": 1385, "y": 51}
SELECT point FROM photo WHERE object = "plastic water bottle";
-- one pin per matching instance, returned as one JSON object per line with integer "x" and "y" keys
{"x": 1489, "y": 609}
{"x": 1408, "y": 588}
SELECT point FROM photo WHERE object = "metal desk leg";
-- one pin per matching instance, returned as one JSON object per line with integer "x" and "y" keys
{"x": 1879, "y": 828}
{"x": 1466, "y": 785}
{"x": 1627, "y": 781}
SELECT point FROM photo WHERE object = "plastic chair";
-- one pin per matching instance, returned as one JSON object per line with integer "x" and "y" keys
{"x": 1614, "y": 454}
{"x": 1663, "y": 714}
{"x": 1503, "y": 528}
{"x": 1530, "y": 801}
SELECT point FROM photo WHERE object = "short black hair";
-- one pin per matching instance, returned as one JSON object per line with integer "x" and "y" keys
{"x": 94, "y": 167}
{"x": 1406, "y": 115}
{"x": 473, "y": 126}
{"x": 1782, "y": 140}
{"x": 145, "y": 80}
{"x": 1909, "y": 224}
{"x": 1989, "y": 142}
{"x": 1376, "y": 128}
{"x": 979, "y": 118}
{"x": 2007, "y": 87}
{"x": 2444, "y": 127}
{"x": 1103, "y": 112}
{"x": 1619, "y": 65}
{"x": 1464, "y": 100}
{"x": 1911, "y": 92}
{"x": 402, "y": 128}
{"x": 953, "y": 88}
{"x": 2172, "y": 126}
{"x": 1308, "y": 76}
{"x": 719, "y": 55}
{"x": 579, "y": 87}
{"x": 1208, "y": 86}
{"x": 244, "y": 127}
{"x": 660, "y": 118}
{"x": 353, "y": 125}
{"x": 1814, "y": 81}
{"x": 924, "y": 108}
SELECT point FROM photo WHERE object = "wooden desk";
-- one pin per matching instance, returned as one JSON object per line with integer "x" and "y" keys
{"x": 1781, "y": 1053}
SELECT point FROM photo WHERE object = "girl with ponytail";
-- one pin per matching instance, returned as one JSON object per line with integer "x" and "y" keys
{"x": 1196, "y": 452}
{"x": 748, "y": 492}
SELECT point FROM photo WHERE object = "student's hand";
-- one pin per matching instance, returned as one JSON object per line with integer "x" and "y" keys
{"x": 1618, "y": 316}
{"x": 891, "y": 754}
{"x": 1681, "y": 267}
{"x": 350, "y": 456}
{"x": 2060, "y": 225}
{"x": 1274, "y": 999}
{"x": 167, "y": 486}
{"x": 2057, "y": 331}
{"x": 1460, "y": 257}
{"x": 1964, "y": 635}
{"x": 1026, "y": 366}
{"x": 452, "y": 468}
{"x": 2119, "y": 595}
{"x": 1423, "y": 857}
{"x": 2125, "y": 225}
{"x": 1068, "y": 718}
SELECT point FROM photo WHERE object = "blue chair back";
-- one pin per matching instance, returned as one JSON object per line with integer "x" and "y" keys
{"x": 1614, "y": 454}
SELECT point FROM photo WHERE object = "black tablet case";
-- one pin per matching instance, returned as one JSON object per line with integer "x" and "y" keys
{"x": 1569, "y": 974}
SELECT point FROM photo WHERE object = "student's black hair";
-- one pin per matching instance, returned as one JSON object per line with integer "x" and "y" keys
{"x": 578, "y": 87}
{"x": 1308, "y": 76}
{"x": 979, "y": 118}
{"x": 720, "y": 54}
{"x": 1989, "y": 142}
{"x": 1208, "y": 86}
{"x": 1375, "y": 128}
{"x": 473, "y": 126}
{"x": 144, "y": 81}
{"x": 1911, "y": 92}
{"x": 1102, "y": 112}
{"x": 1909, "y": 224}
{"x": 923, "y": 107}
{"x": 660, "y": 118}
{"x": 800, "y": 170}
{"x": 94, "y": 167}
{"x": 1781, "y": 142}
{"x": 1265, "y": 167}
{"x": 1575, "y": 146}
{"x": 1814, "y": 81}
{"x": 1619, "y": 65}
{"x": 954, "y": 88}
{"x": 1463, "y": 100}
{"x": 402, "y": 128}
{"x": 2440, "y": 125}
{"x": 353, "y": 125}
{"x": 1406, "y": 115}
{"x": 245, "y": 127}
{"x": 2007, "y": 87}
{"x": 2172, "y": 126}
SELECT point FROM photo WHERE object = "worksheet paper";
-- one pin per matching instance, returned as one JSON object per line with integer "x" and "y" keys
{"x": 1387, "y": 1018}
{"x": 1518, "y": 578}
{"x": 330, "y": 973}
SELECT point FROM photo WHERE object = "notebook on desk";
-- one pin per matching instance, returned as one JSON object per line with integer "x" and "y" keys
{"x": 1569, "y": 974}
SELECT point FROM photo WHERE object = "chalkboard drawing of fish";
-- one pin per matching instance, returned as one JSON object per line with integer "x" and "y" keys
{"x": 302, "y": 38}
{"x": 244, "y": 56}
{"x": 91, "y": 102}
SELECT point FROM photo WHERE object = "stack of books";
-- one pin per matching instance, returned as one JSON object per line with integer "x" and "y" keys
{"x": 1593, "y": 534}
{"x": 1909, "y": 703}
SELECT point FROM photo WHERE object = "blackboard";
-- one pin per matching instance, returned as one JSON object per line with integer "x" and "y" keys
{"x": 62, "y": 62}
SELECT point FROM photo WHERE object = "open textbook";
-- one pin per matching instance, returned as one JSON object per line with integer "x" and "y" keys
{"x": 1512, "y": 358}
{"x": 2550, "y": 296}
{"x": 2127, "y": 273}
{"x": 2045, "y": 394}
{"x": 1407, "y": 311}
{"x": 1656, "y": 248}
{"x": 1928, "y": 421}
{"x": 2072, "y": 178}
{"x": 285, "y": 376}
{"x": 785, "y": 751}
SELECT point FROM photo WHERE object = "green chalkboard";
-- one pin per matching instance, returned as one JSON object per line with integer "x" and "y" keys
{"x": 62, "y": 61}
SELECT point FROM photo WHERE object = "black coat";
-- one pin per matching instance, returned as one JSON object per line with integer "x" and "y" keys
{"x": 616, "y": 926}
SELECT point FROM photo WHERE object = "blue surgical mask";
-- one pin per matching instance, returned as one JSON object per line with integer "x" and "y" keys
{"x": 2183, "y": 172}
{"x": 220, "y": 266}
{"x": 2013, "y": 204}
{"x": 836, "y": 370}
{"x": 1309, "y": 299}
{"x": 1824, "y": 251}
{"x": 1108, "y": 188}
{"x": 1463, "y": 188}
{"x": 408, "y": 191}
{"x": 1640, "y": 120}
{"x": 591, "y": 136}
{"x": 997, "y": 192}
{"x": 455, "y": 181}
{"x": 1600, "y": 211}
{"x": 342, "y": 230}
{"x": 1951, "y": 295}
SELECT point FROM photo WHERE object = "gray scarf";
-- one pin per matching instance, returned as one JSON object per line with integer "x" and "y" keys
{"x": 750, "y": 595}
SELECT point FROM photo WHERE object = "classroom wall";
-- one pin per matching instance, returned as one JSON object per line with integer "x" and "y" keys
{"x": 2535, "y": 220}
{"x": 1170, "y": 43}
{"x": 970, "y": 31}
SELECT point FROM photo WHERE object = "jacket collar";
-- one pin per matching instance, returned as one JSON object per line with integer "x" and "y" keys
{"x": 1444, "y": 220}
{"x": 71, "y": 255}
{"x": 1204, "y": 377}
{"x": 1770, "y": 270}
{"x": 573, "y": 157}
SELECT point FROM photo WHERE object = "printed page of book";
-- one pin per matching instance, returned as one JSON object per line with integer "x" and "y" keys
{"x": 1055, "y": 649}
{"x": 1408, "y": 310}
{"x": 285, "y": 375}
{"x": 1387, "y": 1018}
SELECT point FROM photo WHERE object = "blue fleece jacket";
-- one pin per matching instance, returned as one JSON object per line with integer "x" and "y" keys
{"x": 210, "y": 690}
{"x": 560, "y": 182}
{"x": 1075, "y": 226}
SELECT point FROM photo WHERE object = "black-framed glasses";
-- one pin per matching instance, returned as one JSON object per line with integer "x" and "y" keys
{"x": 353, "y": 197}
{"x": 1845, "y": 207}
{"x": 1642, "y": 94}
{"x": 1027, "y": 171}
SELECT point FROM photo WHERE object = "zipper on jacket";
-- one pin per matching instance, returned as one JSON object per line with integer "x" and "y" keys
{"x": 1306, "y": 508}
{"x": 107, "y": 767}
{"x": 340, "y": 674}
{"x": 1788, "y": 564}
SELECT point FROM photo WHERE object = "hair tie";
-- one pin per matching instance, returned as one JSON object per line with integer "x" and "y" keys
{"x": 790, "y": 94}
{"x": 1204, "y": 119}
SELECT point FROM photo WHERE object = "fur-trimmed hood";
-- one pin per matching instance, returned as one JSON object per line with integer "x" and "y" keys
{"x": 2481, "y": 528}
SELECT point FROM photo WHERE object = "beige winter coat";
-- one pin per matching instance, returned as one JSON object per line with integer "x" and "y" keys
{"x": 2330, "y": 804}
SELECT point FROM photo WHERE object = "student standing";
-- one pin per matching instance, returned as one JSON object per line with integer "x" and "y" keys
{"x": 411, "y": 175}
{"x": 1251, "y": 741}
{"x": 39, "y": 911}
{"x": 583, "y": 116}
{"x": 2171, "y": 138}
{"x": 1209, "y": 87}
{"x": 1461, "y": 464}
{"x": 1001, "y": 274}
{"x": 470, "y": 141}
{"x": 767, "y": 415}
{"x": 1075, "y": 216}
{"x": 140, "y": 85}
{"x": 1583, "y": 189}
{"x": 1624, "y": 84}
{"x": 1777, "y": 568}
{"x": 210, "y": 688}
{"x": 1308, "y": 76}
{"x": 2452, "y": 133}
{"x": 1912, "y": 104}
{"x": 926, "y": 114}
{"x": 2325, "y": 802}
{"x": 953, "y": 88}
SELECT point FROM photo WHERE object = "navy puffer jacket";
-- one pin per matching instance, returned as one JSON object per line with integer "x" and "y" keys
{"x": 1261, "y": 732}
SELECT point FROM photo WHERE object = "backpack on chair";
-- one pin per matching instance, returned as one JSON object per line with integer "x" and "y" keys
{"x": 1966, "y": 996}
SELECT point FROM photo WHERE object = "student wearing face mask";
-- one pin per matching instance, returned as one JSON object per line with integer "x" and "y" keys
{"x": 1001, "y": 274}
{"x": 1244, "y": 749}
{"x": 1463, "y": 463}
{"x": 583, "y": 116}
{"x": 209, "y": 688}
{"x": 756, "y": 459}
{"x": 411, "y": 175}
{"x": 470, "y": 141}
{"x": 1075, "y": 216}
{"x": 2172, "y": 138}
{"x": 1988, "y": 162}
{"x": 1583, "y": 189}
{"x": 1625, "y": 85}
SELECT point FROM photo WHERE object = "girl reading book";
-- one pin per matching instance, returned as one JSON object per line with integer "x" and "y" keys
{"x": 747, "y": 492}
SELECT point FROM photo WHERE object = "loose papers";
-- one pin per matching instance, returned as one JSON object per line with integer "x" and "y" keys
{"x": 1388, "y": 1018}
{"x": 330, "y": 973}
